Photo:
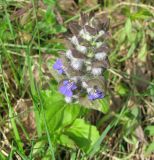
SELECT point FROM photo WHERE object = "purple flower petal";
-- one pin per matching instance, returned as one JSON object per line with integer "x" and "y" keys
{"x": 67, "y": 88}
{"x": 63, "y": 89}
{"x": 60, "y": 71}
{"x": 69, "y": 93}
{"x": 74, "y": 87}
{"x": 66, "y": 92}
{"x": 90, "y": 96}
{"x": 97, "y": 94}
{"x": 65, "y": 82}
{"x": 58, "y": 66}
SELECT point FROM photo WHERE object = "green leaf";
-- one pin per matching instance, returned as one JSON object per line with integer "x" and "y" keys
{"x": 47, "y": 155}
{"x": 58, "y": 114}
{"x": 94, "y": 148}
{"x": 135, "y": 112}
{"x": 2, "y": 157}
{"x": 49, "y": 24}
{"x": 121, "y": 89}
{"x": 128, "y": 28}
{"x": 85, "y": 102}
{"x": 39, "y": 147}
{"x": 105, "y": 105}
{"x": 66, "y": 141}
{"x": 149, "y": 130}
{"x": 130, "y": 52}
{"x": 150, "y": 148}
{"x": 50, "y": 2}
{"x": 52, "y": 105}
{"x": 5, "y": 34}
{"x": 83, "y": 134}
{"x": 121, "y": 36}
{"x": 50, "y": 17}
{"x": 60, "y": 29}
{"x": 141, "y": 14}
{"x": 151, "y": 90}
{"x": 143, "y": 53}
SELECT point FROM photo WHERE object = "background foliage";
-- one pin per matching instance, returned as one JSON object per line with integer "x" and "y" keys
{"x": 35, "y": 121}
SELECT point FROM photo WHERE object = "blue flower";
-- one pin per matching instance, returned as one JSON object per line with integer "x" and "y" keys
{"x": 67, "y": 88}
{"x": 95, "y": 94}
{"x": 59, "y": 66}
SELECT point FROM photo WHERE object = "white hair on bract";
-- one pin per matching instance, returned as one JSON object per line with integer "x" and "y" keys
{"x": 77, "y": 64}
{"x": 68, "y": 99}
{"x": 89, "y": 90}
{"x": 100, "y": 55}
{"x": 81, "y": 49}
{"x": 84, "y": 85}
{"x": 69, "y": 54}
{"x": 100, "y": 33}
{"x": 96, "y": 71}
{"x": 74, "y": 40}
{"x": 98, "y": 44}
{"x": 85, "y": 35}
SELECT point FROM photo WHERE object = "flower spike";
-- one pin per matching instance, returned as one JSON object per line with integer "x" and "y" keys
{"x": 83, "y": 64}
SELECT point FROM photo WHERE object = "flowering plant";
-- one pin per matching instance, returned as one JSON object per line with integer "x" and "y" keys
{"x": 82, "y": 66}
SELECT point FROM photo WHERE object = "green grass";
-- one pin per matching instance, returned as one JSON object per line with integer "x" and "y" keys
{"x": 36, "y": 123}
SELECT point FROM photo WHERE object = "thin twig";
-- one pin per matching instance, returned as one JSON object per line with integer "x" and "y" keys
{"x": 115, "y": 73}
{"x": 110, "y": 156}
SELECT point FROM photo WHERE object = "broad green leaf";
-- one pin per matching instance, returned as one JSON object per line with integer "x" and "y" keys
{"x": 149, "y": 130}
{"x": 83, "y": 134}
{"x": 71, "y": 112}
{"x": 150, "y": 148}
{"x": 58, "y": 114}
{"x": 66, "y": 141}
